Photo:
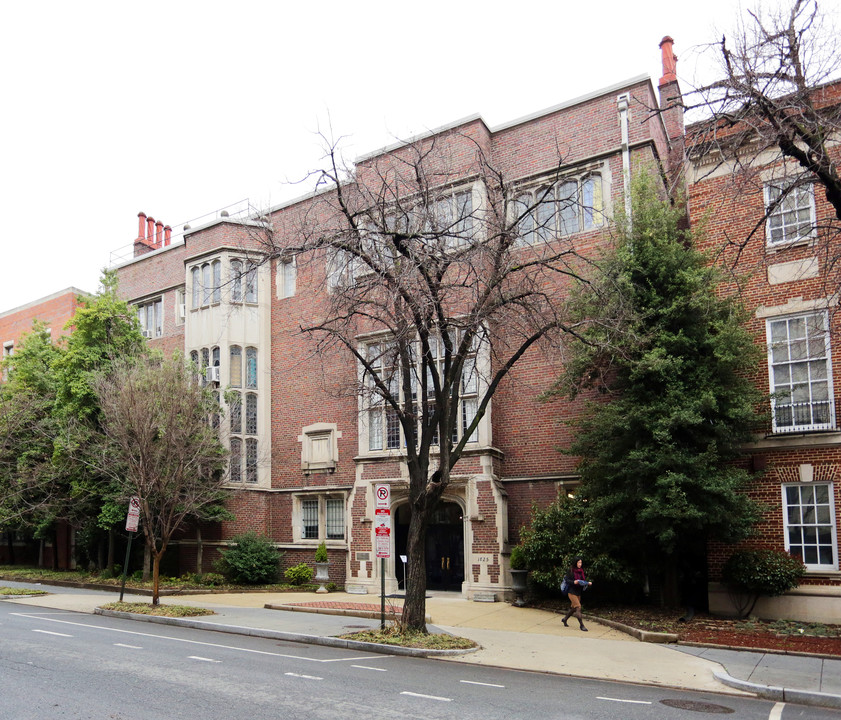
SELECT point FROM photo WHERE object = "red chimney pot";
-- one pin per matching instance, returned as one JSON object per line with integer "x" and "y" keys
{"x": 669, "y": 61}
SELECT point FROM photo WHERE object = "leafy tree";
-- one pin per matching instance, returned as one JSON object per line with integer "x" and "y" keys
{"x": 675, "y": 406}
{"x": 156, "y": 441}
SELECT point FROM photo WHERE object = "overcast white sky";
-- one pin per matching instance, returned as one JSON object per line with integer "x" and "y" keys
{"x": 181, "y": 108}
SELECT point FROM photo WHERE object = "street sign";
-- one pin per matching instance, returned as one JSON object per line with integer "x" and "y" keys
{"x": 133, "y": 517}
{"x": 383, "y": 496}
{"x": 382, "y": 532}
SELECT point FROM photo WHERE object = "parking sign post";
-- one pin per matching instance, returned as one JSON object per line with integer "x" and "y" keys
{"x": 132, "y": 521}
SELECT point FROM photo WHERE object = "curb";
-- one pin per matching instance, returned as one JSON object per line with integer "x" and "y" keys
{"x": 641, "y": 635}
{"x": 289, "y": 637}
{"x": 778, "y": 694}
{"x": 343, "y": 612}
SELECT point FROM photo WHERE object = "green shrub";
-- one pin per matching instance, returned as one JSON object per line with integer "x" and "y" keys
{"x": 210, "y": 579}
{"x": 518, "y": 558}
{"x": 321, "y": 553}
{"x": 251, "y": 560}
{"x": 753, "y": 573}
{"x": 300, "y": 574}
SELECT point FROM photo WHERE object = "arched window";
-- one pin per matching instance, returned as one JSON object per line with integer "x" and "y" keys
{"x": 236, "y": 460}
{"x": 251, "y": 284}
{"x": 236, "y": 366}
{"x": 251, "y": 460}
{"x": 207, "y": 286}
{"x": 236, "y": 412}
{"x": 250, "y": 414}
{"x": 195, "y": 279}
{"x": 236, "y": 281}
{"x": 251, "y": 367}
{"x": 216, "y": 295}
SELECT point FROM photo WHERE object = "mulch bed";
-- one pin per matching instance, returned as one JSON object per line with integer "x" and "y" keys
{"x": 779, "y": 636}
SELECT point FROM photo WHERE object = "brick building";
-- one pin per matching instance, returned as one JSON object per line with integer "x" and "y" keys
{"x": 304, "y": 458}
{"x": 787, "y": 277}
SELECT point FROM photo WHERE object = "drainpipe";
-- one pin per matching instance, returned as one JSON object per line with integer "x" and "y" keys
{"x": 622, "y": 103}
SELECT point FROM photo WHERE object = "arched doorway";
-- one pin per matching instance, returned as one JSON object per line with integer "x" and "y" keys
{"x": 444, "y": 546}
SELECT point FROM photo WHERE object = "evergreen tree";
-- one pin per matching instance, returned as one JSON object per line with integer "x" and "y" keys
{"x": 675, "y": 405}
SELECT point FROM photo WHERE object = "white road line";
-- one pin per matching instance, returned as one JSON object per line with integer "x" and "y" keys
{"x": 130, "y": 647}
{"x": 192, "y": 642}
{"x": 305, "y": 677}
{"x": 47, "y": 632}
{"x": 635, "y": 702}
{"x": 427, "y": 697}
{"x": 473, "y": 682}
{"x": 365, "y": 667}
{"x": 776, "y": 711}
{"x": 203, "y": 659}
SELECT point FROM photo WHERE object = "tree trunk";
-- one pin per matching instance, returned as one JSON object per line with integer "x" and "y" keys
{"x": 111, "y": 543}
{"x": 156, "y": 571}
{"x": 10, "y": 544}
{"x": 198, "y": 551}
{"x": 41, "y": 552}
{"x": 147, "y": 558}
{"x": 55, "y": 548}
{"x": 414, "y": 607}
{"x": 100, "y": 556}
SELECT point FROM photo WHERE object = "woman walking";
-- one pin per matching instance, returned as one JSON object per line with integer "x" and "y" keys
{"x": 579, "y": 585}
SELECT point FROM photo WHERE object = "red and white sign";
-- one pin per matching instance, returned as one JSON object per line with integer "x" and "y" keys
{"x": 382, "y": 530}
{"x": 382, "y": 493}
{"x": 133, "y": 514}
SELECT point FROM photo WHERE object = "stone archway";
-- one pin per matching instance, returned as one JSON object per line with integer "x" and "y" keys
{"x": 444, "y": 546}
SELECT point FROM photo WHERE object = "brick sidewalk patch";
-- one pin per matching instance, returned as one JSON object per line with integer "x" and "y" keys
{"x": 347, "y": 606}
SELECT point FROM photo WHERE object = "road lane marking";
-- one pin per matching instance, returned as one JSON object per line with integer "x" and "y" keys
{"x": 427, "y": 697}
{"x": 365, "y": 667}
{"x": 635, "y": 702}
{"x": 473, "y": 682}
{"x": 305, "y": 677}
{"x": 130, "y": 647}
{"x": 776, "y": 711}
{"x": 203, "y": 659}
{"x": 48, "y": 632}
{"x": 197, "y": 642}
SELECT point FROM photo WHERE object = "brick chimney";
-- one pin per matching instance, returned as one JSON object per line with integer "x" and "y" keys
{"x": 671, "y": 108}
{"x": 151, "y": 235}
{"x": 142, "y": 244}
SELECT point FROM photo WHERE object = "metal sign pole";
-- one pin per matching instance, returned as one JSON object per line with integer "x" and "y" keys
{"x": 382, "y": 593}
{"x": 125, "y": 564}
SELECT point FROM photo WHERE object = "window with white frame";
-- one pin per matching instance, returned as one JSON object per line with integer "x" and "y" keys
{"x": 569, "y": 206}
{"x": 8, "y": 351}
{"x": 384, "y": 429}
{"x": 790, "y": 212}
{"x": 243, "y": 281}
{"x": 180, "y": 306}
{"x": 243, "y": 413}
{"x": 320, "y": 517}
{"x": 809, "y": 515}
{"x": 286, "y": 279}
{"x": 452, "y": 217}
{"x": 150, "y": 315}
{"x": 800, "y": 371}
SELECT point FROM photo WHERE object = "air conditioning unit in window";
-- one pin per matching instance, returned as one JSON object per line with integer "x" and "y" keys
{"x": 182, "y": 311}
{"x": 147, "y": 333}
{"x": 212, "y": 374}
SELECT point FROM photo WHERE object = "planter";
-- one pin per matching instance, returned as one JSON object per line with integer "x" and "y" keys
{"x": 322, "y": 576}
{"x": 518, "y": 585}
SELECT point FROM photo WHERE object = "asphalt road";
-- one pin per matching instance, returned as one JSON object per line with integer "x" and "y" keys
{"x": 56, "y": 664}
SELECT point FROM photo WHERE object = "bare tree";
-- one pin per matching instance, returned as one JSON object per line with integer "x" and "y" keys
{"x": 776, "y": 104}
{"x": 440, "y": 279}
{"x": 160, "y": 444}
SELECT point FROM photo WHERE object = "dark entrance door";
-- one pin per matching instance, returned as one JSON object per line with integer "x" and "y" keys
{"x": 444, "y": 547}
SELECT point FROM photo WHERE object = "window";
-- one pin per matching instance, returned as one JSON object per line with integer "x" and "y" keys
{"x": 195, "y": 281}
{"x": 236, "y": 281}
{"x": 286, "y": 279}
{"x": 251, "y": 367}
{"x": 321, "y": 517}
{"x": 250, "y": 460}
{"x": 808, "y": 512}
{"x": 564, "y": 208}
{"x": 180, "y": 306}
{"x": 236, "y": 366}
{"x": 384, "y": 429}
{"x": 207, "y": 286}
{"x": 452, "y": 217}
{"x": 251, "y": 284}
{"x": 150, "y": 315}
{"x": 800, "y": 373}
{"x": 8, "y": 351}
{"x": 236, "y": 460}
{"x": 250, "y": 414}
{"x": 790, "y": 212}
{"x": 216, "y": 289}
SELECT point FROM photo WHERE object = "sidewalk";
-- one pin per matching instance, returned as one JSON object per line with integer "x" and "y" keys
{"x": 516, "y": 638}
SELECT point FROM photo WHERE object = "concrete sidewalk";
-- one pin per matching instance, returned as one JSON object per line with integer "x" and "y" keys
{"x": 516, "y": 638}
